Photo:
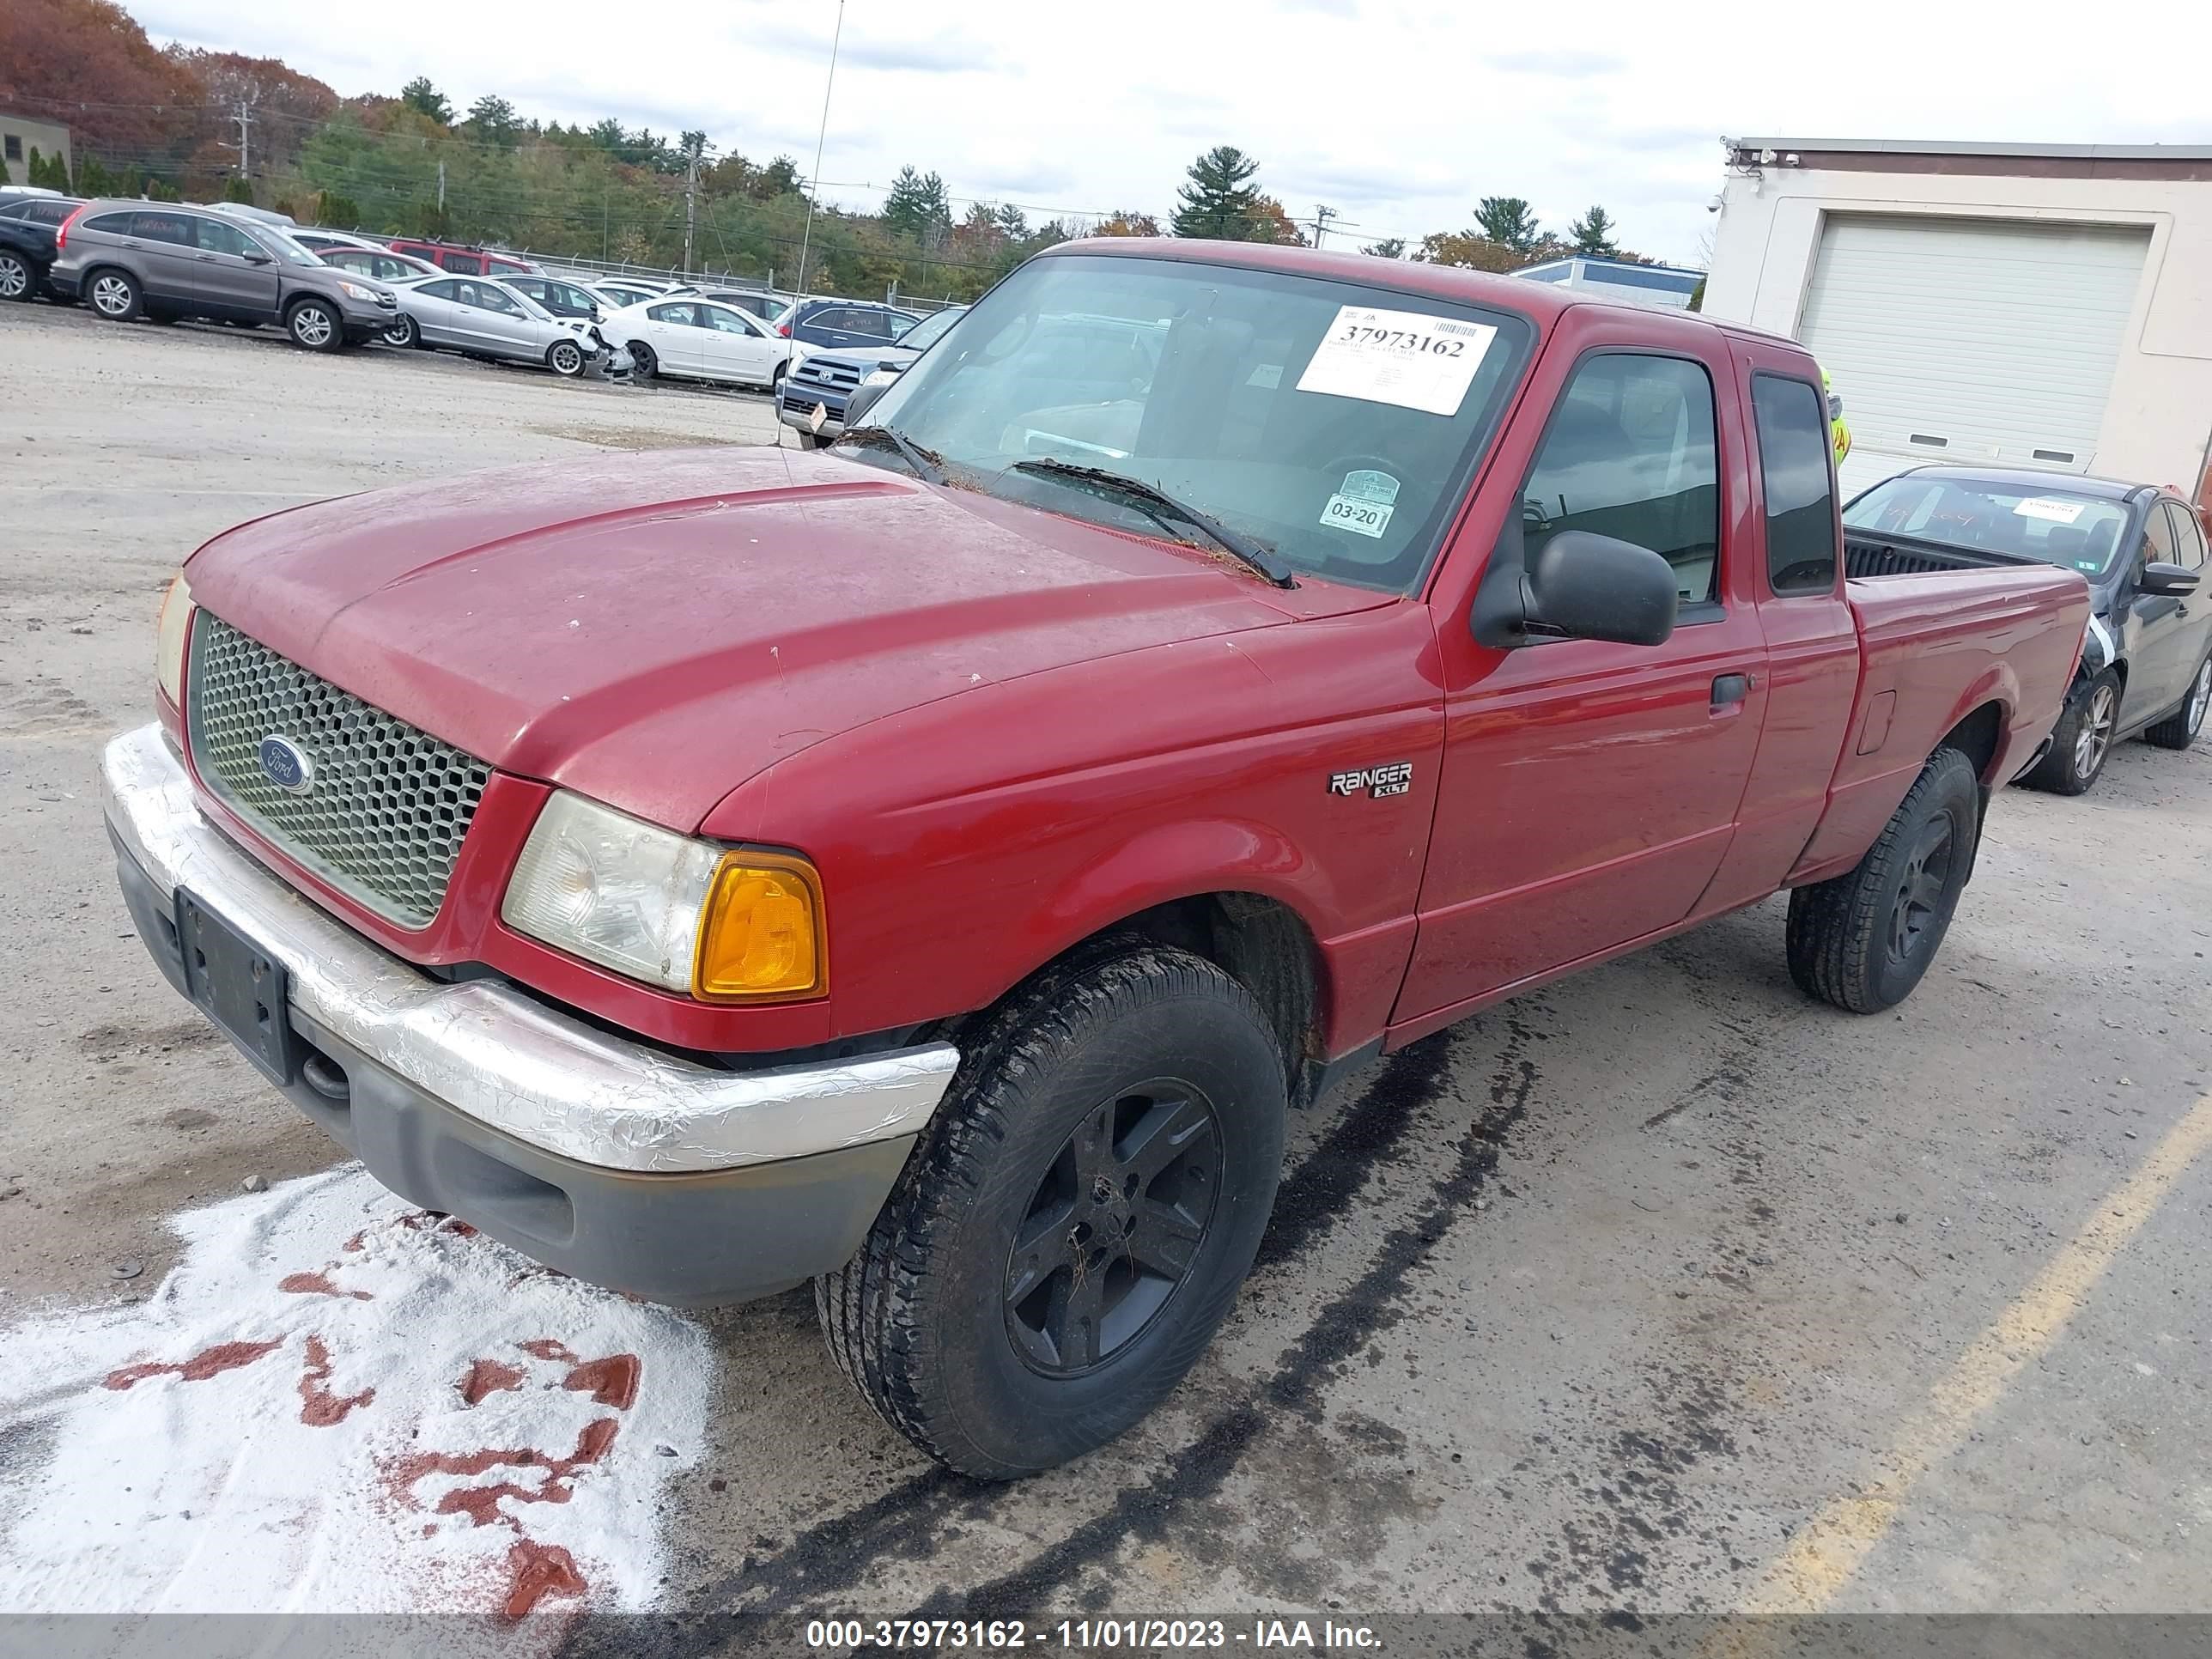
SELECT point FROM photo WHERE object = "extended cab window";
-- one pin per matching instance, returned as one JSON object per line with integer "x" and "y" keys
{"x": 1794, "y": 440}
{"x": 2188, "y": 539}
{"x": 1629, "y": 453}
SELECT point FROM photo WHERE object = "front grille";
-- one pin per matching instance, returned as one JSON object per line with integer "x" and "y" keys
{"x": 830, "y": 375}
{"x": 384, "y": 806}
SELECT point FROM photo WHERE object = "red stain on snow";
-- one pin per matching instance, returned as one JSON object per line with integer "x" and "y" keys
{"x": 610, "y": 1382}
{"x": 317, "y": 1285}
{"x": 355, "y": 1243}
{"x": 480, "y": 1504}
{"x": 488, "y": 1376}
{"x": 208, "y": 1361}
{"x": 536, "y": 1570}
{"x": 546, "y": 1348}
{"x": 318, "y": 1407}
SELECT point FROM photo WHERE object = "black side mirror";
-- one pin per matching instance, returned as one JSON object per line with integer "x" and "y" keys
{"x": 1580, "y": 586}
{"x": 863, "y": 399}
{"x": 2163, "y": 579}
{"x": 256, "y": 257}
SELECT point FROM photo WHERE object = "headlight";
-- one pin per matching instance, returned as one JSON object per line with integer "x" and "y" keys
{"x": 683, "y": 915}
{"x": 170, "y": 634}
{"x": 356, "y": 291}
{"x": 879, "y": 377}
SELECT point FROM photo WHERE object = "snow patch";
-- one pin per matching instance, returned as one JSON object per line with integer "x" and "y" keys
{"x": 337, "y": 1403}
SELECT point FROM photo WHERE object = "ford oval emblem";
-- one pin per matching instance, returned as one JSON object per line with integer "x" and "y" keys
{"x": 287, "y": 764}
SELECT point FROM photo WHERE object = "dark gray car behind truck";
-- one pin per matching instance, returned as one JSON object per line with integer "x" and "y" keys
{"x": 167, "y": 261}
{"x": 2146, "y": 666}
{"x": 27, "y": 224}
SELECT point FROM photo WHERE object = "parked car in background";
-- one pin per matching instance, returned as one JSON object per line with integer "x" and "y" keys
{"x": 466, "y": 261}
{"x": 381, "y": 264}
{"x": 562, "y": 299}
{"x": 769, "y": 307}
{"x": 815, "y": 395}
{"x": 834, "y": 325}
{"x": 317, "y": 240}
{"x": 700, "y": 340}
{"x": 941, "y": 866}
{"x": 621, "y": 295}
{"x": 28, "y": 225}
{"x": 2145, "y": 665}
{"x": 484, "y": 318}
{"x": 128, "y": 259}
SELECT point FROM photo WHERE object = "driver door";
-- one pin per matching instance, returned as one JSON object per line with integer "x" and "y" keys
{"x": 2160, "y": 629}
{"x": 1590, "y": 790}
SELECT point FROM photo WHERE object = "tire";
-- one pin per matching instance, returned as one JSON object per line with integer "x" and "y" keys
{"x": 315, "y": 325}
{"x": 972, "y": 1341}
{"x": 2081, "y": 742}
{"x": 808, "y": 440}
{"x": 643, "y": 364}
{"x": 402, "y": 333}
{"x": 1863, "y": 939}
{"x": 565, "y": 358}
{"x": 114, "y": 294}
{"x": 2180, "y": 729}
{"x": 18, "y": 281}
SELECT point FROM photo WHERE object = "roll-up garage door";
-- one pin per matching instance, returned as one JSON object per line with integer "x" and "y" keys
{"x": 1970, "y": 340}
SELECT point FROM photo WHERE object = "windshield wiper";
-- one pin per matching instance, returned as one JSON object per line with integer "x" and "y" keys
{"x": 1167, "y": 509}
{"x": 927, "y": 465}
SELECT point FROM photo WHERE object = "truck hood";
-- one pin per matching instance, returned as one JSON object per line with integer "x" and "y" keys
{"x": 653, "y": 629}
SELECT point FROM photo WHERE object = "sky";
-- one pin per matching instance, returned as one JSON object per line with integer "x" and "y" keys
{"x": 1401, "y": 116}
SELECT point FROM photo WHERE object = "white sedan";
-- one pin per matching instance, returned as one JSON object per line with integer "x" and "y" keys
{"x": 700, "y": 340}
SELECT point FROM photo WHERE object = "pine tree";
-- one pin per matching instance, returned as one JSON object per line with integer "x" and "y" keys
{"x": 237, "y": 188}
{"x": 1593, "y": 235}
{"x": 1220, "y": 200}
{"x": 1507, "y": 221}
{"x": 420, "y": 95}
{"x": 1390, "y": 247}
{"x": 918, "y": 206}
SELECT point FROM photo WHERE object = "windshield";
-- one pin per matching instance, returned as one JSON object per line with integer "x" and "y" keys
{"x": 1335, "y": 423}
{"x": 285, "y": 248}
{"x": 2057, "y": 525}
{"x": 926, "y": 333}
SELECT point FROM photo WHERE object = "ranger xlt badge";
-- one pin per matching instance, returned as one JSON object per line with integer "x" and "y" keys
{"x": 1394, "y": 778}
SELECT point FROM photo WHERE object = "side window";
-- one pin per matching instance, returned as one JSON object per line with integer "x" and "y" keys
{"x": 1629, "y": 453}
{"x": 115, "y": 224}
{"x": 679, "y": 314}
{"x": 173, "y": 227}
{"x": 217, "y": 237}
{"x": 727, "y": 321}
{"x": 467, "y": 263}
{"x": 901, "y": 323}
{"x": 2158, "y": 546}
{"x": 1792, "y": 419}
{"x": 386, "y": 268}
{"x": 444, "y": 289}
{"x": 2188, "y": 537}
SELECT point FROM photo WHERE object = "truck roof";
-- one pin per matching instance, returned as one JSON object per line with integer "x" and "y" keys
{"x": 1541, "y": 300}
{"x": 2111, "y": 489}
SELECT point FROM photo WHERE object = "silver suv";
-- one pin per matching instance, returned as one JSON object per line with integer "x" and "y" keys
{"x": 163, "y": 260}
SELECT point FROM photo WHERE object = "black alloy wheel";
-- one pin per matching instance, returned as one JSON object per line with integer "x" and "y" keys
{"x": 1114, "y": 1228}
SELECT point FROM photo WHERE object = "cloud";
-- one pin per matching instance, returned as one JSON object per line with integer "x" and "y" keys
{"x": 920, "y": 54}
{"x": 1565, "y": 62}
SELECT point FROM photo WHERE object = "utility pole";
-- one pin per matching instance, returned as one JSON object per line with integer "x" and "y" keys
{"x": 243, "y": 116}
{"x": 814, "y": 192}
{"x": 690, "y": 206}
{"x": 1322, "y": 217}
{"x": 442, "y": 183}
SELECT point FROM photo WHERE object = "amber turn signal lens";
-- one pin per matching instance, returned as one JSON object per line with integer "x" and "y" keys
{"x": 761, "y": 933}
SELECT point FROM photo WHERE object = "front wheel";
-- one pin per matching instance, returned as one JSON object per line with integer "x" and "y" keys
{"x": 2081, "y": 741}
{"x": 1073, "y": 1224}
{"x": 2180, "y": 729}
{"x": 643, "y": 364}
{"x": 16, "y": 280}
{"x": 314, "y": 326}
{"x": 401, "y": 332}
{"x": 1863, "y": 939}
{"x": 565, "y": 358}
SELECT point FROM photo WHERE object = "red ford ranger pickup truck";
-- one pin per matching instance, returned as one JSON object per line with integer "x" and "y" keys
{"x": 934, "y": 867}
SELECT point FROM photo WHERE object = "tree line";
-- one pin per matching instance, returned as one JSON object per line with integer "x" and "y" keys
{"x": 177, "y": 123}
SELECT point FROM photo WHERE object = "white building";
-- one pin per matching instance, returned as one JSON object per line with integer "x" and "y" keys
{"x": 1662, "y": 288}
{"x": 2028, "y": 305}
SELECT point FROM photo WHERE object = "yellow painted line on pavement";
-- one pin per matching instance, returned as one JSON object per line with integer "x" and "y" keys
{"x": 1833, "y": 1546}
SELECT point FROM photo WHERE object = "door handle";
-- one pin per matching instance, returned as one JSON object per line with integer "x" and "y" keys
{"x": 1728, "y": 692}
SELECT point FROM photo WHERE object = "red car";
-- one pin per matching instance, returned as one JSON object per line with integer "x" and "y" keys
{"x": 467, "y": 261}
{"x": 937, "y": 865}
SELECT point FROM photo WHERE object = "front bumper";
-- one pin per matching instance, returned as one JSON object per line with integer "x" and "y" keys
{"x": 613, "y": 1160}
{"x": 795, "y": 406}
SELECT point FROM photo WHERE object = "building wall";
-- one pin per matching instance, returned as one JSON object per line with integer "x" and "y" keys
{"x": 28, "y": 135}
{"x": 2158, "y": 418}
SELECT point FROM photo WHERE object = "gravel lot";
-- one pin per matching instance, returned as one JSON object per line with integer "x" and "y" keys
{"x": 1663, "y": 1288}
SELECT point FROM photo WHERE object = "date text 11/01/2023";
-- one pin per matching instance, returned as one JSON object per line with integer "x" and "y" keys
{"x": 1081, "y": 1635}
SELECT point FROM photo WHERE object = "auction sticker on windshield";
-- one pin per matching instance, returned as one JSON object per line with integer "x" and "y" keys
{"x": 1403, "y": 357}
{"x": 2050, "y": 508}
